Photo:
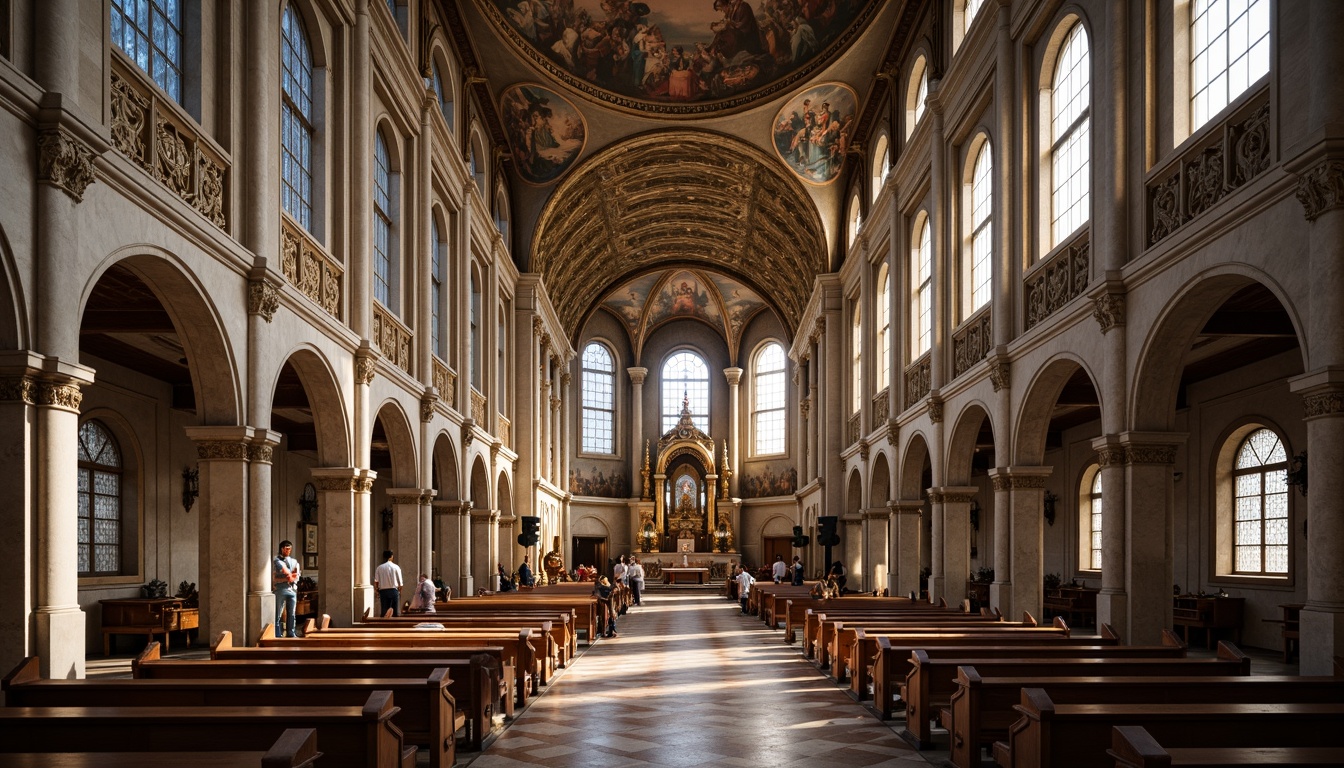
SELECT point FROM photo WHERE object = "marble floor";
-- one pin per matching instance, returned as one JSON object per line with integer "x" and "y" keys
{"x": 689, "y": 681}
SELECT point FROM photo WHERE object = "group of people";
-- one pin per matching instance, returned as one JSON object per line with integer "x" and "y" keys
{"x": 629, "y": 573}
{"x": 387, "y": 582}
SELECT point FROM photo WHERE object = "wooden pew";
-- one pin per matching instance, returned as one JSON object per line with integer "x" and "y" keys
{"x": 795, "y": 610}
{"x": 819, "y": 627}
{"x": 296, "y": 748}
{"x": 983, "y": 708}
{"x": 426, "y": 713}
{"x": 1133, "y": 747}
{"x": 519, "y": 655}
{"x": 563, "y": 623}
{"x": 929, "y": 688}
{"x": 856, "y": 647}
{"x": 474, "y": 683}
{"x": 351, "y": 737}
{"x": 551, "y": 640}
{"x": 584, "y": 606}
{"x": 1077, "y": 735}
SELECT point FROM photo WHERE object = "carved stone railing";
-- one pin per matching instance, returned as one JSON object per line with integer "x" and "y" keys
{"x": 308, "y": 268}
{"x": 478, "y": 409}
{"x": 505, "y": 431}
{"x": 1062, "y": 278}
{"x": 1227, "y": 157}
{"x": 880, "y": 406}
{"x": 391, "y": 338}
{"x": 854, "y": 433}
{"x": 971, "y": 342}
{"x": 445, "y": 381}
{"x": 918, "y": 379}
{"x": 158, "y": 136}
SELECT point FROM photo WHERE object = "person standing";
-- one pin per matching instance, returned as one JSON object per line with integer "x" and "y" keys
{"x": 387, "y": 580}
{"x": 635, "y": 574}
{"x": 603, "y": 591}
{"x": 525, "y": 575}
{"x": 797, "y": 568}
{"x": 423, "y": 599}
{"x": 744, "y": 582}
{"x": 284, "y": 582}
{"x": 779, "y": 569}
{"x": 618, "y": 571}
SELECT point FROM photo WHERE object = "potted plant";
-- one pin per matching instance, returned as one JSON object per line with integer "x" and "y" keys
{"x": 1052, "y": 582}
{"x": 985, "y": 575}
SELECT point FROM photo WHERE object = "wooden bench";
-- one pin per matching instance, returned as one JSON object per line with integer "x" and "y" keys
{"x": 584, "y": 606}
{"x": 519, "y": 655}
{"x": 795, "y": 611}
{"x": 426, "y": 712}
{"x": 819, "y": 629}
{"x": 550, "y": 644}
{"x": 563, "y": 623}
{"x": 296, "y": 748}
{"x": 1133, "y": 747}
{"x": 928, "y": 688}
{"x": 1077, "y": 735}
{"x": 474, "y": 683}
{"x": 351, "y": 737}
{"x": 983, "y": 708}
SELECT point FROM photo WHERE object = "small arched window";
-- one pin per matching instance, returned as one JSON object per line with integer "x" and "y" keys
{"x": 296, "y": 119}
{"x": 767, "y": 407}
{"x": 437, "y": 278}
{"x": 599, "y": 399}
{"x": 855, "y": 219}
{"x": 921, "y": 288}
{"x": 1260, "y": 503}
{"x": 383, "y": 258}
{"x": 881, "y": 158}
{"x": 918, "y": 95}
{"x": 445, "y": 98}
{"x": 883, "y": 327}
{"x": 100, "y": 494}
{"x": 856, "y": 359}
{"x": 981, "y": 263}
{"x": 150, "y": 32}
{"x": 475, "y": 335}
{"x": 1092, "y": 528}
{"x": 1229, "y": 52}
{"x": 1070, "y": 150}
{"x": 685, "y": 379}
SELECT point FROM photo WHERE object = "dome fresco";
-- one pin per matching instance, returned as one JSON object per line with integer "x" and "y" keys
{"x": 651, "y": 300}
{"x": 675, "y": 57}
{"x": 546, "y": 132}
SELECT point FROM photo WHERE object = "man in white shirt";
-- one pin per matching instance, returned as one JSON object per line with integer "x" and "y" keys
{"x": 618, "y": 571}
{"x": 744, "y": 582}
{"x": 779, "y": 569}
{"x": 387, "y": 581}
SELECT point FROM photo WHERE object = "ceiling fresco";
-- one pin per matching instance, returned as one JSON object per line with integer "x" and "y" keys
{"x": 813, "y": 129}
{"x": 680, "y": 57}
{"x": 647, "y": 302}
{"x": 546, "y": 132}
{"x": 688, "y": 198}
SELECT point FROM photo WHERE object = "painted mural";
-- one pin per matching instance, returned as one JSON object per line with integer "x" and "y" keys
{"x": 546, "y": 132}
{"x": 627, "y": 302}
{"x": 739, "y": 302}
{"x": 686, "y": 294}
{"x": 770, "y": 480}
{"x": 612, "y": 485}
{"x": 813, "y": 130}
{"x": 679, "y": 51}
{"x": 647, "y": 301}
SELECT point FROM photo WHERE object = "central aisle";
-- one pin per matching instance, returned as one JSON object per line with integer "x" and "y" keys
{"x": 690, "y": 681}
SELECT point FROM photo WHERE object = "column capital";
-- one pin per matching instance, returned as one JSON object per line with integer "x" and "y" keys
{"x": 262, "y": 446}
{"x": 223, "y": 443}
{"x": 1110, "y": 451}
{"x": 637, "y": 375}
{"x": 263, "y": 298}
{"x": 734, "y": 376}
{"x": 64, "y": 161}
{"x": 1108, "y": 303}
{"x": 1322, "y": 391}
{"x": 953, "y": 494}
{"x": 415, "y": 496}
{"x": 365, "y": 359}
{"x": 1151, "y": 447}
{"x": 1320, "y": 188}
{"x": 905, "y": 507}
{"x": 1010, "y": 478}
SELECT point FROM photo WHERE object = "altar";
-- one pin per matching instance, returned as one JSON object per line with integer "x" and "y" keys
{"x": 685, "y": 575}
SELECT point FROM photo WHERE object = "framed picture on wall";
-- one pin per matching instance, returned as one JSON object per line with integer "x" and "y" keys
{"x": 310, "y": 538}
{"x": 310, "y": 562}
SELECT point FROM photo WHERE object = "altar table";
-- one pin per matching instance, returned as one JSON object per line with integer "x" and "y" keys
{"x": 680, "y": 575}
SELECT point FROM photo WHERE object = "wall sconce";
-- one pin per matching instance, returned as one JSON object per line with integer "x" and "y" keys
{"x": 975, "y": 515}
{"x": 1049, "y": 505}
{"x": 191, "y": 487}
{"x": 387, "y": 519}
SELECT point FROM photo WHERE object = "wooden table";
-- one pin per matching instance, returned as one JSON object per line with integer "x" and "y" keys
{"x": 682, "y": 575}
{"x": 149, "y": 617}
{"x": 1289, "y": 625}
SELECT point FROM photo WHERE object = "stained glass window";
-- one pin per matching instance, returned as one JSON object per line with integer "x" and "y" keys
{"x": 296, "y": 119}
{"x": 1260, "y": 505}
{"x": 382, "y": 222}
{"x": 921, "y": 289}
{"x": 99, "y": 523}
{"x": 150, "y": 32}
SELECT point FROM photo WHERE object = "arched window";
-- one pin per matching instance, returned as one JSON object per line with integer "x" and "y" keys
{"x": 767, "y": 407}
{"x": 881, "y": 157}
{"x": 981, "y": 263}
{"x": 856, "y": 367}
{"x": 437, "y": 277}
{"x": 100, "y": 492}
{"x": 502, "y": 213}
{"x": 685, "y": 377}
{"x": 474, "y": 164}
{"x": 972, "y": 9}
{"x": 1229, "y": 51}
{"x": 921, "y": 289}
{"x": 1070, "y": 125}
{"x": 150, "y": 32}
{"x": 855, "y": 219}
{"x": 1092, "y": 511}
{"x": 1260, "y": 503}
{"x": 918, "y": 95}
{"x": 296, "y": 119}
{"x": 599, "y": 399}
{"x": 383, "y": 257}
{"x": 445, "y": 98}
{"x": 475, "y": 336}
{"x": 883, "y": 327}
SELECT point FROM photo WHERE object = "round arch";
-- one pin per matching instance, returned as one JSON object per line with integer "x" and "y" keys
{"x": 327, "y": 403}
{"x": 961, "y": 447}
{"x": 400, "y": 444}
{"x": 14, "y": 333}
{"x": 445, "y": 465}
{"x": 914, "y": 457}
{"x": 504, "y": 494}
{"x": 879, "y": 481}
{"x": 854, "y": 492}
{"x": 1043, "y": 393}
{"x": 480, "y": 486}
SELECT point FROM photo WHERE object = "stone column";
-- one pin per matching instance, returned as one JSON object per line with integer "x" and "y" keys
{"x": 637, "y": 377}
{"x": 408, "y": 530}
{"x": 951, "y": 542}
{"x": 905, "y": 546}
{"x": 457, "y": 547}
{"x": 336, "y": 487}
{"x": 812, "y": 412}
{"x": 556, "y": 446}
{"x": 483, "y": 551}
{"x": 1322, "y": 618}
{"x": 1149, "y": 545}
{"x": 567, "y": 445}
{"x": 939, "y": 283}
{"x": 18, "y": 554}
{"x": 544, "y": 421}
{"x": 876, "y": 526}
{"x": 1022, "y": 491}
{"x": 1113, "y": 600}
{"x": 227, "y": 573}
{"x": 260, "y": 528}
{"x": 735, "y": 428}
{"x": 360, "y": 274}
{"x": 445, "y": 557}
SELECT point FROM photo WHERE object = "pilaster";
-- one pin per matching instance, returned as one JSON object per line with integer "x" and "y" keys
{"x": 1019, "y": 494}
{"x": 951, "y": 542}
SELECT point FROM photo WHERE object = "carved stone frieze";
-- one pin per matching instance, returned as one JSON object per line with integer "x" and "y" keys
{"x": 948, "y": 497}
{"x": 64, "y": 161}
{"x": 1111, "y": 456}
{"x": 1109, "y": 310}
{"x": 59, "y": 394}
{"x": 18, "y": 389}
{"x": 1251, "y": 146}
{"x": 1321, "y": 188}
{"x": 1008, "y": 482}
{"x": 1150, "y": 454}
{"x": 1060, "y": 280}
{"x": 1204, "y": 180}
{"x": 210, "y": 197}
{"x": 308, "y": 269}
{"x": 262, "y": 298}
{"x": 1165, "y": 203}
{"x": 346, "y": 484}
{"x": 918, "y": 380}
{"x": 971, "y": 342}
{"x": 130, "y": 110}
{"x": 1323, "y": 404}
{"x": 221, "y": 450}
{"x": 413, "y": 499}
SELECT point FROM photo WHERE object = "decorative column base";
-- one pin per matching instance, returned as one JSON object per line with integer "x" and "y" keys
{"x": 60, "y": 642}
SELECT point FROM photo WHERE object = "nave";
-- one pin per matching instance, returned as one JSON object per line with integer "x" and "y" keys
{"x": 690, "y": 681}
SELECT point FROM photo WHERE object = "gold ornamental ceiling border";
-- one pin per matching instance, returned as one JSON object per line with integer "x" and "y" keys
{"x": 675, "y": 198}
{"x": 515, "y": 41}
